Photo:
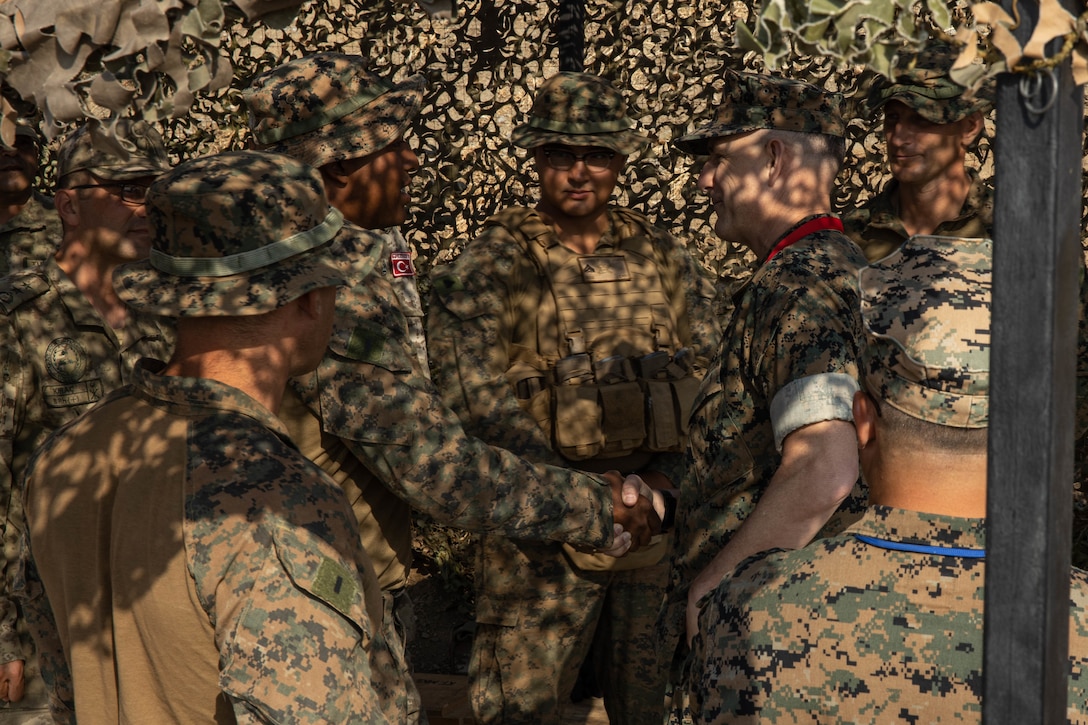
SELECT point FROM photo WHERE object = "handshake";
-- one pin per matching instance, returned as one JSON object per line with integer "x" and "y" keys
{"x": 642, "y": 505}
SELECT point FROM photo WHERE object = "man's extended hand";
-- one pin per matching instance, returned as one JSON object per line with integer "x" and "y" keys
{"x": 11, "y": 681}
{"x": 635, "y": 507}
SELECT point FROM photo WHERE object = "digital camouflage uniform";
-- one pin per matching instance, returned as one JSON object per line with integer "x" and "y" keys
{"x": 883, "y": 622}
{"x": 227, "y": 554}
{"x": 492, "y": 315}
{"x": 275, "y": 610}
{"x": 795, "y": 323}
{"x": 31, "y": 236}
{"x": 58, "y": 358}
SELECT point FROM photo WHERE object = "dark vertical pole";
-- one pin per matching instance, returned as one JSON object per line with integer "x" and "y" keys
{"x": 570, "y": 29}
{"x": 1037, "y": 257}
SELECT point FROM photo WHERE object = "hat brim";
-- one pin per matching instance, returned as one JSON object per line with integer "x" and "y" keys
{"x": 256, "y": 292}
{"x": 940, "y": 112}
{"x": 365, "y": 131}
{"x": 622, "y": 142}
{"x": 698, "y": 142}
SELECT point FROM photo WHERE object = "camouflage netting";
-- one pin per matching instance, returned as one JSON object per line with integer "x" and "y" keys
{"x": 484, "y": 62}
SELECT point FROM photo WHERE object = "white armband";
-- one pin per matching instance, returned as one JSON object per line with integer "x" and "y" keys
{"x": 811, "y": 399}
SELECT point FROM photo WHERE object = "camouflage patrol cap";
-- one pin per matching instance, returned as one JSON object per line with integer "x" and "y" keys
{"x": 753, "y": 101}
{"x": 130, "y": 150}
{"x": 926, "y": 311}
{"x": 328, "y": 107}
{"x": 238, "y": 233}
{"x": 922, "y": 82}
{"x": 579, "y": 109}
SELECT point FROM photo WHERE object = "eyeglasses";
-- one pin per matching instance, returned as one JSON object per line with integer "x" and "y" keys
{"x": 564, "y": 160}
{"x": 134, "y": 194}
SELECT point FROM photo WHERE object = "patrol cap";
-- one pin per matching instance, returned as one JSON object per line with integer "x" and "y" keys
{"x": 328, "y": 107}
{"x": 238, "y": 233}
{"x": 926, "y": 312}
{"x": 753, "y": 101}
{"x": 130, "y": 150}
{"x": 579, "y": 109}
{"x": 922, "y": 82}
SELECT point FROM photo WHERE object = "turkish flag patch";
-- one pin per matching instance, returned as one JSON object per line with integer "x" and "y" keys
{"x": 401, "y": 263}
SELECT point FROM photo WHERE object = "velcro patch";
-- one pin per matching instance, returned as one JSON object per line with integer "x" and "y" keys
{"x": 604, "y": 269}
{"x": 335, "y": 584}
{"x": 366, "y": 345}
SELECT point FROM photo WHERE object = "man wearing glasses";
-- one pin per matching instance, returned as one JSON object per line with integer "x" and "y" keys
{"x": 67, "y": 340}
{"x": 573, "y": 333}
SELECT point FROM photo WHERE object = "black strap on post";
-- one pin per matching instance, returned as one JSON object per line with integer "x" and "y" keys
{"x": 1037, "y": 260}
{"x": 570, "y": 28}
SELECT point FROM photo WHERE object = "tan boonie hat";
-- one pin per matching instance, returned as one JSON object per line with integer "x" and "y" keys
{"x": 579, "y": 109}
{"x": 753, "y": 101}
{"x": 926, "y": 311}
{"x": 328, "y": 107}
{"x": 238, "y": 233}
{"x": 922, "y": 82}
{"x": 132, "y": 149}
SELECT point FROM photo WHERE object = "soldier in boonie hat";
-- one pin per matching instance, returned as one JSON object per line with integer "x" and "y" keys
{"x": 579, "y": 109}
{"x": 129, "y": 149}
{"x": 922, "y": 81}
{"x": 328, "y": 107}
{"x": 926, "y": 310}
{"x": 238, "y": 233}
{"x": 753, "y": 101}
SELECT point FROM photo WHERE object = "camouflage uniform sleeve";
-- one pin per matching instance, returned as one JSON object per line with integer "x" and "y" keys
{"x": 475, "y": 303}
{"x": 12, "y": 403}
{"x": 290, "y": 612}
{"x": 816, "y": 328}
{"x": 27, "y": 588}
{"x": 395, "y": 422}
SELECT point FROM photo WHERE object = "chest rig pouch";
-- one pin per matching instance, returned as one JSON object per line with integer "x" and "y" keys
{"x": 600, "y": 366}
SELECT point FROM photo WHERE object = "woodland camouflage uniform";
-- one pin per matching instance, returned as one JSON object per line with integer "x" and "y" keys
{"x": 59, "y": 357}
{"x": 795, "y": 322}
{"x": 369, "y": 415}
{"x": 206, "y": 570}
{"x": 499, "y": 353}
{"x": 857, "y": 628}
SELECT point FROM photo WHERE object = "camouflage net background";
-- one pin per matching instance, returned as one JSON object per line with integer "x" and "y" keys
{"x": 484, "y": 62}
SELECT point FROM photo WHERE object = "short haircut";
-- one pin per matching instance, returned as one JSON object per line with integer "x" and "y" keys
{"x": 899, "y": 430}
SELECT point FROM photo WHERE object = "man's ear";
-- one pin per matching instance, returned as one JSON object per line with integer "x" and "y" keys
{"x": 776, "y": 159}
{"x": 335, "y": 173}
{"x": 864, "y": 418}
{"x": 67, "y": 206}
{"x": 973, "y": 126}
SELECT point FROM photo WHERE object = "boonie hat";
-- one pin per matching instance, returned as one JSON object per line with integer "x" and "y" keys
{"x": 753, "y": 101}
{"x": 131, "y": 149}
{"x": 926, "y": 312}
{"x": 922, "y": 82}
{"x": 328, "y": 107}
{"x": 579, "y": 109}
{"x": 238, "y": 233}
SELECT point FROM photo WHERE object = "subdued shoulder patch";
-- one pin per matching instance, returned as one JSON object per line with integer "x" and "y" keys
{"x": 366, "y": 345}
{"x": 447, "y": 283}
{"x": 335, "y": 584}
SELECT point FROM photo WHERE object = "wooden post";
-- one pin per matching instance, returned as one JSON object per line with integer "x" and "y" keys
{"x": 570, "y": 28}
{"x": 1037, "y": 258}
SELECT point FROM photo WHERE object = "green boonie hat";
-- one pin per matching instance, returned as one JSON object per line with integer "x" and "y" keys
{"x": 579, "y": 109}
{"x": 132, "y": 149}
{"x": 922, "y": 82}
{"x": 753, "y": 101}
{"x": 238, "y": 233}
{"x": 926, "y": 311}
{"x": 328, "y": 107}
